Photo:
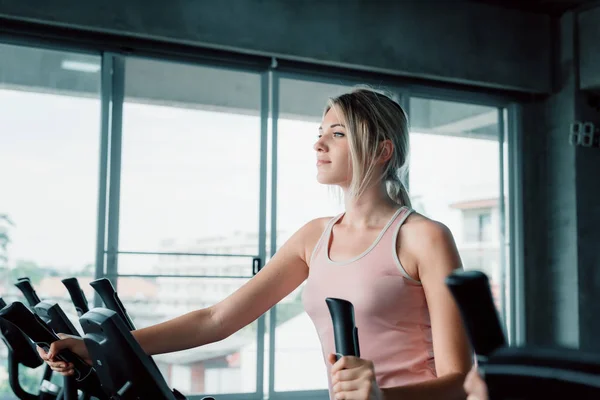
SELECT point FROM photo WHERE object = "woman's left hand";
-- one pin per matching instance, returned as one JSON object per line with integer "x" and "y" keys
{"x": 353, "y": 378}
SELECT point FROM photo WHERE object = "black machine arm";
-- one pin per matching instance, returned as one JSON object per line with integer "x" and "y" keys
{"x": 55, "y": 317}
{"x": 109, "y": 296}
{"x": 471, "y": 290}
{"x": 77, "y": 295}
{"x": 25, "y": 286}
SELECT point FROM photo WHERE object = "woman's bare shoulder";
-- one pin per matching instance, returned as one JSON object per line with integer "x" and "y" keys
{"x": 421, "y": 234}
{"x": 429, "y": 246}
{"x": 420, "y": 224}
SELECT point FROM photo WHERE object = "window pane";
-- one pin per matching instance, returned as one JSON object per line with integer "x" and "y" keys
{"x": 300, "y": 198}
{"x": 190, "y": 184}
{"x": 227, "y": 366}
{"x": 49, "y": 147}
{"x": 185, "y": 264}
{"x": 455, "y": 178}
{"x": 191, "y": 159}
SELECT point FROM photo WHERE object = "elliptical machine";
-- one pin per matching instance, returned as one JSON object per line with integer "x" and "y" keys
{"x": 21, "y": 351}
{"x": 524, "y": 372}
{"x": 41, "y": 324}
{"x": 121, "y": 370}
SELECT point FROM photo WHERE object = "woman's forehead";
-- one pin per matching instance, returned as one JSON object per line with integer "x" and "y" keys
{"x": 332, "y": 116}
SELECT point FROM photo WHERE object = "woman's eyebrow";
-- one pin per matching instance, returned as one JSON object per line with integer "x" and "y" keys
{"x": 333, "y": 126}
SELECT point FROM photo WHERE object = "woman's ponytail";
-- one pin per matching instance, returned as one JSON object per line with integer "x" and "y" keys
{"x": 397, "y": 191}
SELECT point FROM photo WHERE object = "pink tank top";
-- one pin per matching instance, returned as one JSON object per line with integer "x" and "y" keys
{"x": 390, "y": 308}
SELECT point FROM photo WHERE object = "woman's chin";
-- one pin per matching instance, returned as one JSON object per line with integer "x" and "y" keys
{"x": 328, "y": 180}
{"x": 325, "y": 181}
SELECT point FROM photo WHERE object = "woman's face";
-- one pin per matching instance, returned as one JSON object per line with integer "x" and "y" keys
{"x": 333, "y": 152}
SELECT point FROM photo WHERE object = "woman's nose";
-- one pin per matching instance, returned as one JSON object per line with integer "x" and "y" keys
{"x": 320, "y": 145}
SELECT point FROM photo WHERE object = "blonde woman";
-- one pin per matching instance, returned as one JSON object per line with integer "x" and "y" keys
{"x": 380, "y": 254}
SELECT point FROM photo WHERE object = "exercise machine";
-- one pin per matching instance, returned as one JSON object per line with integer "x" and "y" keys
{"x": 518, "y": 373}
{"x": 54, "y": 321}
{"x": 122, "y": 368}
{"x": 125, "y": 370}
{"x": 21, "y": 351}
{"x": 40, "y": 333}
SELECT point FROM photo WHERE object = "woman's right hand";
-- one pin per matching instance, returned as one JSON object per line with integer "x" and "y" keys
{"x": 475, "y": 386}
{"x": 67, "y": 342}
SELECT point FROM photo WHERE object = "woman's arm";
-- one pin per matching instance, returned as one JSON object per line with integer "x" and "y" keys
{"x": 281, "y": 275}
{"x": 432, "y": 247}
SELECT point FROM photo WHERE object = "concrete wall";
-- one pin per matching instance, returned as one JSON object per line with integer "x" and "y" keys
{"x": 589, "y": 48}
{"x": 561, "y": 209}
{"x": 550, "y": 205}
{"x": 467, "y": 43}
{"x": 538, "y": 297}
{"x": 587, "y": 165}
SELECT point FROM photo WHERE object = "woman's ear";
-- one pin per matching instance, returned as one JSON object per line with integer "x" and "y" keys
{"x": 386, "y": 150}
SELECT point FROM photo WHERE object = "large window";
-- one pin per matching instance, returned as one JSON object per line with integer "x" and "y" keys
{"x": 49, "y": 146}
{"x": 189, "y": 201}
{"x": 176, "y": 179}
{"x": 191, "y": 154}
{"x": 455, "y": 178}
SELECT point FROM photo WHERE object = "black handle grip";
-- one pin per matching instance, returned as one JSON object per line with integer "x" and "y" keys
{"x": 77, "y": 295}
{"x": 345, "y": 332}
{"x": 111, "y": 300}
{"x": 2, "y": 303}
{"x": 41, "y": 334}
{"x": 55, "y": 317}
{"x": 25, "y": 286}
{"x": 471, "y": 290}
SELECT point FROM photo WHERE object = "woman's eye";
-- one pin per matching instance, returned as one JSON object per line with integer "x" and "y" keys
{"x": 338, "y": 134}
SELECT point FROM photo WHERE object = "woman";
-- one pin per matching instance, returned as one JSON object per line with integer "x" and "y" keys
{"x": 388, "y": 260}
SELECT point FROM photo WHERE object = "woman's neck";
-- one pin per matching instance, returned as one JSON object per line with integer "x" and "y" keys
{"x": 372, "y": 208}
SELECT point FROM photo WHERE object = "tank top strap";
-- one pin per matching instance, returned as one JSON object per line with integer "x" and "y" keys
{"x": 399, "y": 220}
{"x": 321, "y": 243}
{"x": 391, "y": 241}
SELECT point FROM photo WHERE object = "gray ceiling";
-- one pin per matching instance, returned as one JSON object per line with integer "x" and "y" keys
{"x": 549, "y": 7}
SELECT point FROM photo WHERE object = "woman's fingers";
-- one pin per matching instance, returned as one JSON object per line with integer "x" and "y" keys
{"x": 61, "y": 367}
{"x": 43, "y": 355}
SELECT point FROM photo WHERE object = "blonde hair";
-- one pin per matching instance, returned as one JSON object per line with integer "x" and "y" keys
{"x": 370, "y": 118}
